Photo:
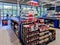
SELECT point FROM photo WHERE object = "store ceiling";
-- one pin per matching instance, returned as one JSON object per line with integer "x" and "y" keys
{"x": 50, "y": 3}
{"x": 53, "y": 2}
{"x": 23, "y": 1}
{"x": 10, "y": 1}
{"x": 44, "y": 2}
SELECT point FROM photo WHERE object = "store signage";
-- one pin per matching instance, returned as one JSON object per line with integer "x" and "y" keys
{"x": 33, "y": 2}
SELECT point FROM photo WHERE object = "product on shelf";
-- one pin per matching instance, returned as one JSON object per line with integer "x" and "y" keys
{"x": 33, "y": 30}
{"x": 15, "y": 26}
{"x": 45, "y": 34}
{"x": 30, "y": 33}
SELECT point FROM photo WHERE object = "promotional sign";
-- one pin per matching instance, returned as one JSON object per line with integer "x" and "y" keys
{"x": 33, "y": 2}
{"x": 4, "y": 22}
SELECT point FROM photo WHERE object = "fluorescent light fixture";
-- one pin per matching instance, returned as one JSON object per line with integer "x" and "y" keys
{"x": 7, "y": 7}
{"x": 52, "y": 2}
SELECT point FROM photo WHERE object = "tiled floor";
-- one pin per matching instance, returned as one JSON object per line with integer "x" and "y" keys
{"x": 57, "y": 41}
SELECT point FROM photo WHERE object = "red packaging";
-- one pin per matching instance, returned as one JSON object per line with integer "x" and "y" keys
{"x": 30, "y": 15}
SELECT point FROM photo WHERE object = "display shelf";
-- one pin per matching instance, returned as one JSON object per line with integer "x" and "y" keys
{"x": 47, "y": 38}
{"x": 32, "y": 35}
{"x": 45, "y": 35}
{"x": 32, "y": 40}
{"x": 41, "y": 35}
{"x": 51, "y": 28}
{"x": 17, "y": 22}
{"x": 28, "y": 34}
{"x": 15, "y": 26}
{"x": 33, "y": 29}
{"x": 33, "y": 43}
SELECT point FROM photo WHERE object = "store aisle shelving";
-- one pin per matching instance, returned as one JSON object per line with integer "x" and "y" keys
{"x": 57, "y": 41}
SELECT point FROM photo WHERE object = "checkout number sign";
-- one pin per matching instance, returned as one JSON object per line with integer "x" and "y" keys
{"x": 4, "y": 22}
{"x": 33, "y": 2}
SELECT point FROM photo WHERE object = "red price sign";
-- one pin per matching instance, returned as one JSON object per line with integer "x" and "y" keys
{"x": 33, "y": 3}
{"x": 4, "y": 22}
{"x": 58, "y": 16}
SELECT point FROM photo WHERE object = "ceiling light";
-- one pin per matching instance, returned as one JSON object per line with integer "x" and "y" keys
{"x": 7, "y": 7}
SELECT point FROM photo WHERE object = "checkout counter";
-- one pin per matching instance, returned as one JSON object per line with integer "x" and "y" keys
{"x": 51, "y": 22}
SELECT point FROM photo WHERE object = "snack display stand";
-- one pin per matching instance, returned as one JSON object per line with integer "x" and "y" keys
{"x": 30, "y": 34}
{"x": 30, "y": 29}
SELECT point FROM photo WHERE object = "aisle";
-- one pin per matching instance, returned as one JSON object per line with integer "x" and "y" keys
{"x": 57, "y": 41}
